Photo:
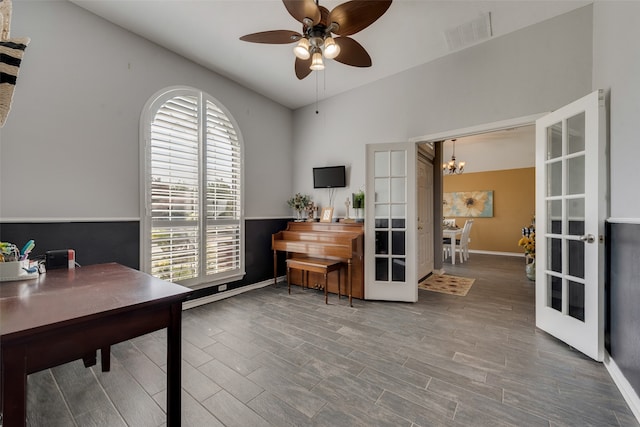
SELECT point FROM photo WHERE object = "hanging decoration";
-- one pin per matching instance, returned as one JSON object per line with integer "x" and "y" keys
{"x": 11, "y": 52}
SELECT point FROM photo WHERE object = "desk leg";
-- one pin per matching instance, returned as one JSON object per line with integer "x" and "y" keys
{"x": 174, "y": 365}
{"x": 14, "y": 379}
{"x": 105, "y": 356}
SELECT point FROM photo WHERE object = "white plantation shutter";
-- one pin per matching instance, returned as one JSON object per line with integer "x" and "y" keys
{"x": 193, "y": 191}
{"x": 223, "y": 192}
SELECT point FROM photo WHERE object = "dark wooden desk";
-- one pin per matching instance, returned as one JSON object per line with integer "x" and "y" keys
{"x": 64, "y": 315}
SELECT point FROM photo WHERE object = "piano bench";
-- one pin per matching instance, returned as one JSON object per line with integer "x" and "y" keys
{"x": 315, "y": 265}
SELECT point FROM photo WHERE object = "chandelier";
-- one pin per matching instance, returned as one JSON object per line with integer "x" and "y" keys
{"x": 452, "y": 167}
{"x": 317, "y": 43}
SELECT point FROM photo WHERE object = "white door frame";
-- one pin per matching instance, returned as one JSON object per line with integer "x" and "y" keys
{"x": 478, "y": 129}
{"x": 459, "y": 133}
{"x": 378, "y": 291}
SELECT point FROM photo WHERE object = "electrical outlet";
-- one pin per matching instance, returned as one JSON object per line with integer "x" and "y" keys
{"x": 222, "y": 288}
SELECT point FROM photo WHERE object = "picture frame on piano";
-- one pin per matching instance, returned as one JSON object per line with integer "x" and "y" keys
{"x": 326, "y": 215}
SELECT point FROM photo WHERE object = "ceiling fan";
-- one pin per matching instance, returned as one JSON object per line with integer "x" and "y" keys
{"x": 318, "y": 24}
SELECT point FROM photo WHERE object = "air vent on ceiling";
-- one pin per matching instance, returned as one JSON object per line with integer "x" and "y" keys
{"x": 469, "y": 33}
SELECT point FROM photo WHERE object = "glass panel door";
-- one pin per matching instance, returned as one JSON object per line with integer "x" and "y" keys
{"x": 390, "y": 212}
{"x": 570, "y": 174}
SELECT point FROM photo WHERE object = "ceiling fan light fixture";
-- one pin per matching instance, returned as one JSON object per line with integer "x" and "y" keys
{"x": 302, "y": 49}
{"x": 316, "y": 61}
{"x": 331, "y": 49}
{"x": 315, "y": 42}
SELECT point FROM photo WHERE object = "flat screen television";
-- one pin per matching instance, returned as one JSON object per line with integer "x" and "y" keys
{"x": 329, "y": 177}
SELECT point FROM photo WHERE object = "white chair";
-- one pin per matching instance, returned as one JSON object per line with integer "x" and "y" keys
{"x": 462, "y": 245}
{"x": 446, "y": 249}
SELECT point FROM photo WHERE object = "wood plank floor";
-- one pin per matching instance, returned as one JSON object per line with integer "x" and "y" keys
{"x": 265, "y": 358}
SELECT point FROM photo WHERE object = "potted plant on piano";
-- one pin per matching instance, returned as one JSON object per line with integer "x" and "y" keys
{"x": 358, "y": 203}
{"x": 299, "y": 203}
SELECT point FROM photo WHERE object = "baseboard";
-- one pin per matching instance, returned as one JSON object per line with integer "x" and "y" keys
{"x": 629, "y": 394}
{"x": 227, "y": 294}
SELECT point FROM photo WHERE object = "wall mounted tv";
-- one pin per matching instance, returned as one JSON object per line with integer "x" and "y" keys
{"x": 329, "y": 177}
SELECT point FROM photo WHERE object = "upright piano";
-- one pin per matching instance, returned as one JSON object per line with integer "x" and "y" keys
{"x": 339, "y": 241}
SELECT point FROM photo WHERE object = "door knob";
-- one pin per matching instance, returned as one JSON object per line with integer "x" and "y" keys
{"x": 589, "y": 238}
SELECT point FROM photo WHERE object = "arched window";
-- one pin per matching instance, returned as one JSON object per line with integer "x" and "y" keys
{"x": 192, "y": 229}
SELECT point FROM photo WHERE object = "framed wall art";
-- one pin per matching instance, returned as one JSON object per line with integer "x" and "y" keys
{"x": 473, "y": 204}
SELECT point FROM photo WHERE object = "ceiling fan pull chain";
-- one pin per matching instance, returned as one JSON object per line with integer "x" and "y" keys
{"x": 316, "y": 93}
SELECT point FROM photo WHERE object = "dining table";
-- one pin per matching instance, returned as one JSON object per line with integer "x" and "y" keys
{"x": 452, "y": 233}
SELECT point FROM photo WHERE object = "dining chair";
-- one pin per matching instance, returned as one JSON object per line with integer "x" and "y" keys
{"x": 446, "y": 249}
{"x": 446, "y": 241}
{"x": 462, "y": 244}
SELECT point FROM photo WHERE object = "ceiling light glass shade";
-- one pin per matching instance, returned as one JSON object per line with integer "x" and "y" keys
{"x": 302, "y": 49}
{"x": 316, "y": 62}
{"x": 331, "y": 49}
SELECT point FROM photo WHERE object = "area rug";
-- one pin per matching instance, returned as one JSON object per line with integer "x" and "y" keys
{"x": 447, "y": 284}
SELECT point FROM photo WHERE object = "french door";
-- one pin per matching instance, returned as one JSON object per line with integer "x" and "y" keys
{"x": 390, "y": 223}
{"x": 570, "y": 213}
{"x": 425, "y": 216}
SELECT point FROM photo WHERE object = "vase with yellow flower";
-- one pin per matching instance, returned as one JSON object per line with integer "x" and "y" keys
{"x": 528, "y": 243}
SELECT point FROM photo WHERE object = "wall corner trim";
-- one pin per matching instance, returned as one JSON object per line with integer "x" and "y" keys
{"x": 623, "y": 220}
{"x": 629, "y": 394}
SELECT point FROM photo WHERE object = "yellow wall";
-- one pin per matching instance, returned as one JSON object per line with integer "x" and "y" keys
{"x": 513, "y": 206}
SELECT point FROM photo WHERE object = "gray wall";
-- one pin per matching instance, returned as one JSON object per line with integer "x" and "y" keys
{"x": 69, "y": 149}
{"x": 534, "y": 70}
{"x": 616, "y": 68}
{"x": 616, "y": 39}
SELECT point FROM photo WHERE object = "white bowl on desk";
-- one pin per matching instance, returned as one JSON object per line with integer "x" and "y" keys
{"x": 15, "y": 270}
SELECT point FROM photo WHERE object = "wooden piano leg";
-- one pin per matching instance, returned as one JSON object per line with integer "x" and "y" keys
{"x": 349, "y": 279}
{"x": 326, "y": 286}
{"x": 275, "y": 268}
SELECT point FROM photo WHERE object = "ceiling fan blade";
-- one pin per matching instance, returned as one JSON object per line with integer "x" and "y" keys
{"x": 301, "y": 9}
{"x": 302, "y": 68}
{"x": 352, "y": 53}
{"x": 272, "y": 37}
{"x": 356, "y": 15}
